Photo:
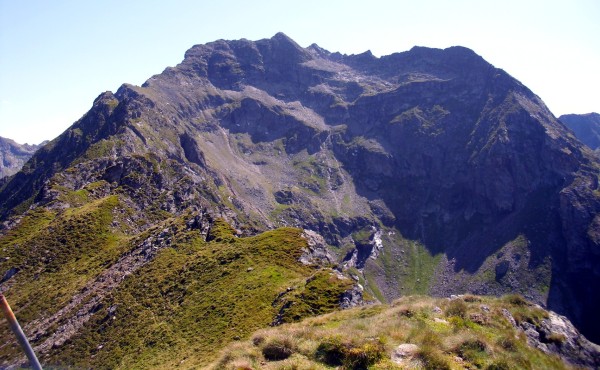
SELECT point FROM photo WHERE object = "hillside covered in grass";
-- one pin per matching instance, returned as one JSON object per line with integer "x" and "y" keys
{"x": 418, "y": 332}
{"x": 89, "y": 297}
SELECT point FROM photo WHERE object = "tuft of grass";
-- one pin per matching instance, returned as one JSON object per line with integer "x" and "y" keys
{"x": 531, "y": 314}
{"x": 507, "y": 343}
{"x": 428, "y": 337}
{"x": 457, "y": 308}
{"x": 362, "y": 356}
{"x": 433, "y": 359}
{"x": 278, "y": 348}
{"x": 515, "y": 300}
{"x": 473, "y": 350}
{"x": 555, "y": 338}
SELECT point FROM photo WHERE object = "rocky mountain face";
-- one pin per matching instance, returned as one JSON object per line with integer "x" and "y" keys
{"x": 585, "y": 126}
{"x": 13, "y": 156}
{"x": 428, "y": 171}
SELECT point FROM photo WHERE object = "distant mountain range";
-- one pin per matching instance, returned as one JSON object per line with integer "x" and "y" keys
{"x": 13, "y": 155}
{"x": 585, "y": 126}
{"x": 260, "y": 182}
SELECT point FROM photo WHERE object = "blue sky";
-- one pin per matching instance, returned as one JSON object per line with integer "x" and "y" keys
{"x": 57, "y": 56}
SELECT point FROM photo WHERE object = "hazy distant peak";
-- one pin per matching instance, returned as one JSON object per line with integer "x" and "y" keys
{"x": 14, "y": 155}
{"x": 585, "y": 126}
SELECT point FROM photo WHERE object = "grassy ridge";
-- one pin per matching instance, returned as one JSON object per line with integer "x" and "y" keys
{"x": 448, "y": 334}
{"x": 193, "y": 299}
{"x": 56, "y": 255}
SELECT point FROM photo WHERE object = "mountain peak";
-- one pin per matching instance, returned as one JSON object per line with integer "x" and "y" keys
{"x": 319, "y": 50}
{"x": 103, "y": 97}
{"x": 282, "y": 40}
{"x": 280, "y": 36}
{"x": 286, "y": 47}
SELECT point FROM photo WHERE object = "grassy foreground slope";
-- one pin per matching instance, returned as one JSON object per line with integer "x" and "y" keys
{"x": 414, "y": 332}
{"x": 168, "y": 297}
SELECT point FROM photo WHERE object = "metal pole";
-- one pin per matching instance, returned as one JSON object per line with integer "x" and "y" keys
{"x": 16, "y": 328}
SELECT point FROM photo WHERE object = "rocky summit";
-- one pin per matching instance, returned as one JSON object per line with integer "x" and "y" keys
{"x": 260, "y": 182}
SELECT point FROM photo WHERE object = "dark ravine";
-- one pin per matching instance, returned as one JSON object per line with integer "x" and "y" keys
{"x": 428, "y": 171}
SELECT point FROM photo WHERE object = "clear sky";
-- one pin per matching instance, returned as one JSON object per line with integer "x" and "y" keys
{"x": 57, "y": 56}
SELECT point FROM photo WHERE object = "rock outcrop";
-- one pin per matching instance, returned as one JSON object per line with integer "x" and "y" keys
{"x": 556, "y": 335}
